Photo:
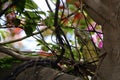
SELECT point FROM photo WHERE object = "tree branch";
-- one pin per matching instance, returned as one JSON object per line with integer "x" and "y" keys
{"x": 100, "y": 12}
{"x": 48, "y": 5}
{"x": 12, "y": 53}
{"x": 16, "y": 40}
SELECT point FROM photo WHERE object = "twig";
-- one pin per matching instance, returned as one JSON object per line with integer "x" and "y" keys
{"x": 48, "y": 5}
{"x": 16, "y": 40}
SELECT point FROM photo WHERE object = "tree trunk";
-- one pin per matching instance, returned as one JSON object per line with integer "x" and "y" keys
{"x": 107, "y": 14}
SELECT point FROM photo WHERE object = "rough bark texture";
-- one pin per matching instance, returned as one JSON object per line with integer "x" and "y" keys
{"x": 44, "y": 73}
{"x": 107, "y": 14}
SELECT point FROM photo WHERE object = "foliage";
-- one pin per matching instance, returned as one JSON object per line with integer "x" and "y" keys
{"x": 7, "y": 62}
{"x": 74, "y": 35}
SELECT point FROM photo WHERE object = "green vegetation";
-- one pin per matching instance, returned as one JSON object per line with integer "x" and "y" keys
{"x": 8, "y": 62}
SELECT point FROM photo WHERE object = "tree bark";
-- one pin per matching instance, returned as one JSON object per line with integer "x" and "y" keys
{"x": 107, "y": 14}
{"x": 44, "y": 73}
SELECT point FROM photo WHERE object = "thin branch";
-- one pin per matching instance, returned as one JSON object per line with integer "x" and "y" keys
{"x": 8, "y": 51}
{"x": 48, "y": 5}
{"x": 16, "y": 40}
{"x": 58, "y": 31}
{"x": 71, "y": 14}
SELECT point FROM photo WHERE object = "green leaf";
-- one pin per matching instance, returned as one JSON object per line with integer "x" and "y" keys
{"x": 31, "y": 5}
{"x": 32, "y": 15}
{"x": 30, "y": 26}
{"x": 41, "y": 12}
{"x": 28, "y": 30}
{"x": 31, "y": 22}
{"x": 20, "y": 5}
{"x": 3, "y": 34}
{"x": 49, "y": 21}
{"x": 16, "y": 22}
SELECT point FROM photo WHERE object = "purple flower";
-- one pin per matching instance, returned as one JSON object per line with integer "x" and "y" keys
{"x": 100, "y": 45}
{"x": 97, "y": 36}
{"x": 91, "y": 27}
